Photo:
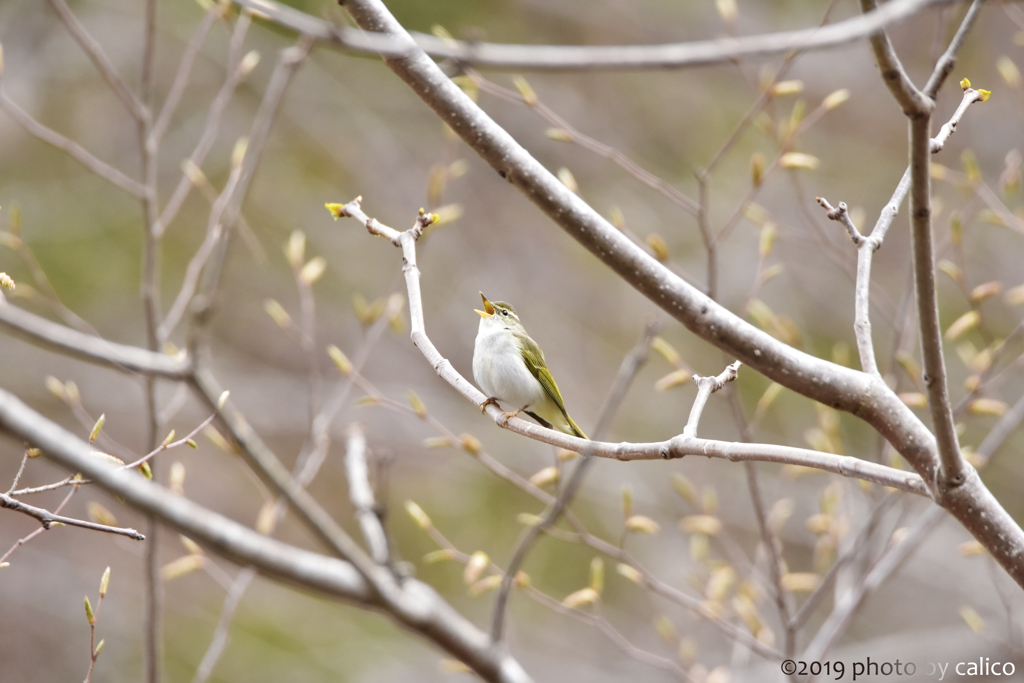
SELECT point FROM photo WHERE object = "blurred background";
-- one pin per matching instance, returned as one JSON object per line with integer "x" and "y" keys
{"x": 348, "y": 127}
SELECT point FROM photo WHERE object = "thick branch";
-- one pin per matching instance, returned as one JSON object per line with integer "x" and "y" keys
{"x": 413, "y": 603}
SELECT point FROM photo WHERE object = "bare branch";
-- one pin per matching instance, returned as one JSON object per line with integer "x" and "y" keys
{"x": 618, "y": 57}
{"x": 100, "y": 59}
{"x": 73, "y": 149}
{"x": 47, "y": 518}
{"x": 362, "y": 495}
{"x": 913, "y": 101}
{"x": 705, "y": 387}
{"x": 126, "y": 358}
{"x": 944, "y": 66}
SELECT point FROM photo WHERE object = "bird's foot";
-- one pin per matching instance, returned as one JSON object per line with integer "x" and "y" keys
{"x": 505, "y": 417}
{"x": 489, "y": 401}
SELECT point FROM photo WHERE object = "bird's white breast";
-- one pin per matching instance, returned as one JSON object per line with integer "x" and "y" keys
{"x": 499, "y": 369}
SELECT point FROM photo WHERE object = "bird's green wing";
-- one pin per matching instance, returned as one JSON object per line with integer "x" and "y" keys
{"x": 534, "y": 359}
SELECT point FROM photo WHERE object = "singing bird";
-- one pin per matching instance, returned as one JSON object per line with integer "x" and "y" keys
{"x": 509, "y": 367}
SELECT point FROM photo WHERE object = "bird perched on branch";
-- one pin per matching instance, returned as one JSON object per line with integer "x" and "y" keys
{"x": 509, "y": 367}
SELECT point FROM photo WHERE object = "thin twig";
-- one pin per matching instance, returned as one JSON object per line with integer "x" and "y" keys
{"x": 572, "y": 57}
{"x": 47, "y": 518}
{"x": 99, "y": 58}
{"x": 361, "y": 495}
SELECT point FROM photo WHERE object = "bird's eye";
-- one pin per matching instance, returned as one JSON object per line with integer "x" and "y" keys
{"x": 504, "y": 312}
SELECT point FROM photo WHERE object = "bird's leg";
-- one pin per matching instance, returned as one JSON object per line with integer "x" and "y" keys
{"x": 489, "y": 401}
{"x": 508, "y": 416}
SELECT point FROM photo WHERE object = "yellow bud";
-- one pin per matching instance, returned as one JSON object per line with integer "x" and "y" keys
{"x": 478, "y": 562}
{"x": 529, "y": 96}
{"x": 442, "y": 555}
{"x": 987, "y": 406}
{"x": 641, "y": 524}
{"x": 767, "y": 399}
{"x": 168, "y": 439}
{"x": 449, "y": 213}
{"x": 566, "y": 177}
{"x": 783, "y": 88}
{"x": 835, "y": 99}
{"x": 100, "y": 514}
{"x": 971, "y": 549}
{"x": 559, "y": 134}
{"x": 546, "y": 476}
{"x": 581, "y": 598}
{"x": 104, "y": 582}
{"x": 597, "y": 575}
{"x": 972, "y": 619}
{"x": 94, "y": 434}
{"x": 673, "y": 379}
{"x": 217, "y": 439}
{"x": 145, "y": 470}
{"x": 266, "y": 519}
{"x": 417, "y": 404}
{"x": 685, "y": 488}
{"x": 800, "y": 582}
{"x": 768, "y": 232}
{"x": 914, "y": 399}
{"x": 727, "y": 10}
{"x": 248, "y": 63}
{"x": 951, "y": 270}
{"x": 965, "y": 323}
{"x": 757, "y": 169}
{"x": 295, "y": 249}
{"x": 1014, "y": 296}
{"x": 176, "y": 479}
{"x": 706, "y": 525}
{"x": 799, "y": 160}
{"x": 488, "y": 583}
{"x": 665, "y": 628}
{"x": 276, "y": 311}
{"x": 1009, "y": 71}
{"x": 238, "y": 152}
{"x": 313, "y": 270}
{"x": 658, "y": 245}
{"x": 341, "y": 361}
{"x": 335, "y": 209}
{"x": 90, "y": 616}
{"x": 418, "y": 515}
{"x": 526, "y": 519}
{"x": 182, "y": 566}
{"x": 190, "y": 545}
{"x": 986, "y": 290}
{"x": 984, "y": 95}
{"x": 470, "y": 444}
{"x": 6, "y": 281}
{"x": 667, "y": 351}
{"x": 965, "y": 84}
{"x": 719, "y": 583}
{"x": 630, "y": 572}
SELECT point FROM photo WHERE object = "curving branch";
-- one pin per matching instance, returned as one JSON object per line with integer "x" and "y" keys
{"x": 579, "y": 57}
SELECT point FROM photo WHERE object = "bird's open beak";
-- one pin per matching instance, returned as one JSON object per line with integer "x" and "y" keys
{"x": 488, "y": 308}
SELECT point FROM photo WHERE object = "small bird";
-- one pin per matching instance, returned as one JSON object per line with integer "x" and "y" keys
{"x": 509, "y": 367}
